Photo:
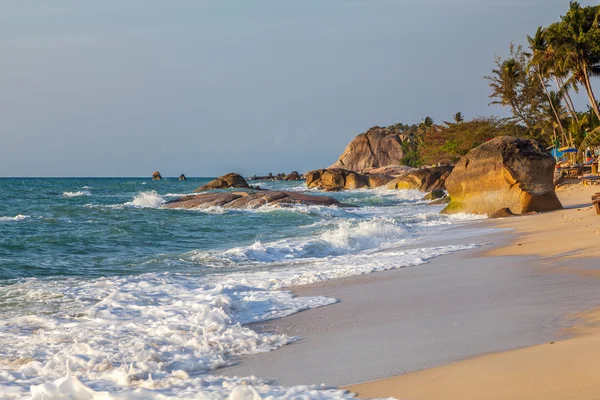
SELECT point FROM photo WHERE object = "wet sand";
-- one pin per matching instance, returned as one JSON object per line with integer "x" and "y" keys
{"x": 562, "y": 244}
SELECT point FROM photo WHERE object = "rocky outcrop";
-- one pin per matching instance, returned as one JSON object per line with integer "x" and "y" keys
{"x": 423, "y": 179}
{"x": 392, "y": 170}
{"x": 156, "y": 176}
{"x": 378, "y": 147}
{"x": 182, "y": 177}
{"x": 231, "y": 180}
{"x": 339, "y": 179}
{"x": 251, "y": 200}
{"x": 293, "y": 176}
{"x": 503, "y": 173}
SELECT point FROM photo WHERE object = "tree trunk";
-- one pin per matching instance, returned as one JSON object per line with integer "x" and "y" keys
{"x": 553, "y": 109}
{"x": 569, "y": 102}
{"x": 590, "y": 92}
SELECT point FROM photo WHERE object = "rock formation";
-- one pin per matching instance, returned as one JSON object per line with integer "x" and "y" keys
{"x": 378, "y": 147}
{"x": 182, "y": 177}
{"x": 251, "y": 200}
{"x": 505, "y": 172}
{"x": 156, "y": 176}
{"x": 293, "y": 176}
{"x": 424, "y": 179}
{"x": 339, "y": 179}
{"x": 231, "y": 180}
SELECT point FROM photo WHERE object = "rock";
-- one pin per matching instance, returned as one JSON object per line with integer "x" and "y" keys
{"x": 443, "y": 200}
{"x": 231, "y": 180}
{"x": 502, "y": 213}
{"x": 251, "y": 200}
{"x": 434, "y": 195}
{"x": 339, "y": 179}
{"x": 392, "y": 170}
{"x": 423, "y": 179}
{"x": 378, "y": 147}
{"x": 182, "y": 177}
{"x": 293, "y": 176}
{"x": 505, "y": 172}
{"x": 156, "y": 176}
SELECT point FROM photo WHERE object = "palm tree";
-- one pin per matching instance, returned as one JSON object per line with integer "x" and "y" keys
{"x": 505, "y": 85}
{"x": 576, "y": 41}
{"x": 539, "y": 64}
{"x": 458, "y": 118}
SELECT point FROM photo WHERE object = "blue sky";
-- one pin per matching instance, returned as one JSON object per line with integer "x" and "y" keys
{"x": 122, "y": 88}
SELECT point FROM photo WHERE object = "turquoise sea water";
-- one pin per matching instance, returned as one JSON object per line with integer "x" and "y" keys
{"x": 95, "y": 277}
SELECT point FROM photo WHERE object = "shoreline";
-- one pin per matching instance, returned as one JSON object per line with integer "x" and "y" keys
{"x": 456, "y": 307}
{"x": 560, "y": 243}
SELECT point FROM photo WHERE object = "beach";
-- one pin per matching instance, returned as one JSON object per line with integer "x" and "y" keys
{"x": 499, "y": 307}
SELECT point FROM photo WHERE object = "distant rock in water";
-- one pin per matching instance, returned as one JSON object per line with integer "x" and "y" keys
{"x": 156, "y": 176}
{"x": 293, "y": 176}
{"x": 340, "y": 179}
{"x": 182, "y": 177}
{"x": 423, "y": 179}
{"x": 504, "y": 175}
{"x": 231, "y": 180}
{"x": 392, "y": 170}
{"x": 378, "y": 147}
{"x": 245, "y": 200}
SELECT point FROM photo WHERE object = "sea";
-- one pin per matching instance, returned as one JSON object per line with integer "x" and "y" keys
{"x": 105, "y": 295}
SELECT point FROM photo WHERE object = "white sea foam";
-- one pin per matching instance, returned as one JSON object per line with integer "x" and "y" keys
{"x": 159, "y": 334}
{"x": 77, "y": 194}
{"x": 149, "y": 199}
{"x": 19, "y": 217}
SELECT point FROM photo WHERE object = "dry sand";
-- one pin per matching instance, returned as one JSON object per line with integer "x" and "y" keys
{"x": 560, "y": 242}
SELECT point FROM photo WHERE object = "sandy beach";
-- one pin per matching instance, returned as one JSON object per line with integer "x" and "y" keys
{"x": 561, "y": 243}
{"x": 526, "y": 286}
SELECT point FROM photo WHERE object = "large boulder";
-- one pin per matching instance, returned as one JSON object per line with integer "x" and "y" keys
{"x": 339, "y": 179}
{"x": 378, "y": 147}
{"x": 392, "y": 170}
{"x": 251, "y": 200}
{"x": 505, "y": 172}
{"x": 231, "y": 180}
{"x": 293, "y": 176}
{"x": 423, "y": 179}
{"x": 156, "y": 176}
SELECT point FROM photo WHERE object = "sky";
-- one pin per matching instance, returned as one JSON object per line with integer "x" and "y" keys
{"x": 123, "y": 88}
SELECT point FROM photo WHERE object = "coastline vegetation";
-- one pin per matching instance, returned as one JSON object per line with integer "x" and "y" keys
{"x": 537, "y": 84}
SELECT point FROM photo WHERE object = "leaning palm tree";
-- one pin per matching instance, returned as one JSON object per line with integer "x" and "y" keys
{"x": 576, "y": 42}
{"x": 540, "y": 66}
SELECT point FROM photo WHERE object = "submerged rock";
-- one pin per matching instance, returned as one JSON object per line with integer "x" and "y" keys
{"x": 434, "y": 195}
{"x": 503, "y": 173}
{"x": 339, "y": 179}
{"x": 423, "y": 179}
{"x": 156, "y": 176}
{"x": 231, "y": 180}
{"x": 378, "y": 147}
{"x": 250, "y": 200}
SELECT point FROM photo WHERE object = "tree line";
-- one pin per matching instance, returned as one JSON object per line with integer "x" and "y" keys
{"x": 537, "y": 84}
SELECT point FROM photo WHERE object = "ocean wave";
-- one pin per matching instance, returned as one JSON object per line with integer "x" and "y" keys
{"x": 162, "y": 334}
{"x": 77, "y": 194}
{"x": 148, "y": 199}
{"x": 19, "y": 217}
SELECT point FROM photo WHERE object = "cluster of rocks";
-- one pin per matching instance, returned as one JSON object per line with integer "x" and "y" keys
{"x": 292, "y": 176}
{"x": 250, "y": 198}
{"x": 156, "y": 176}
{"x": 338, "y": 179}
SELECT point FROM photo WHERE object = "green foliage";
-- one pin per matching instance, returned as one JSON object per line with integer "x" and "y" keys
{"x": 411, "y": 157}
{"x": 446, "y": 144}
